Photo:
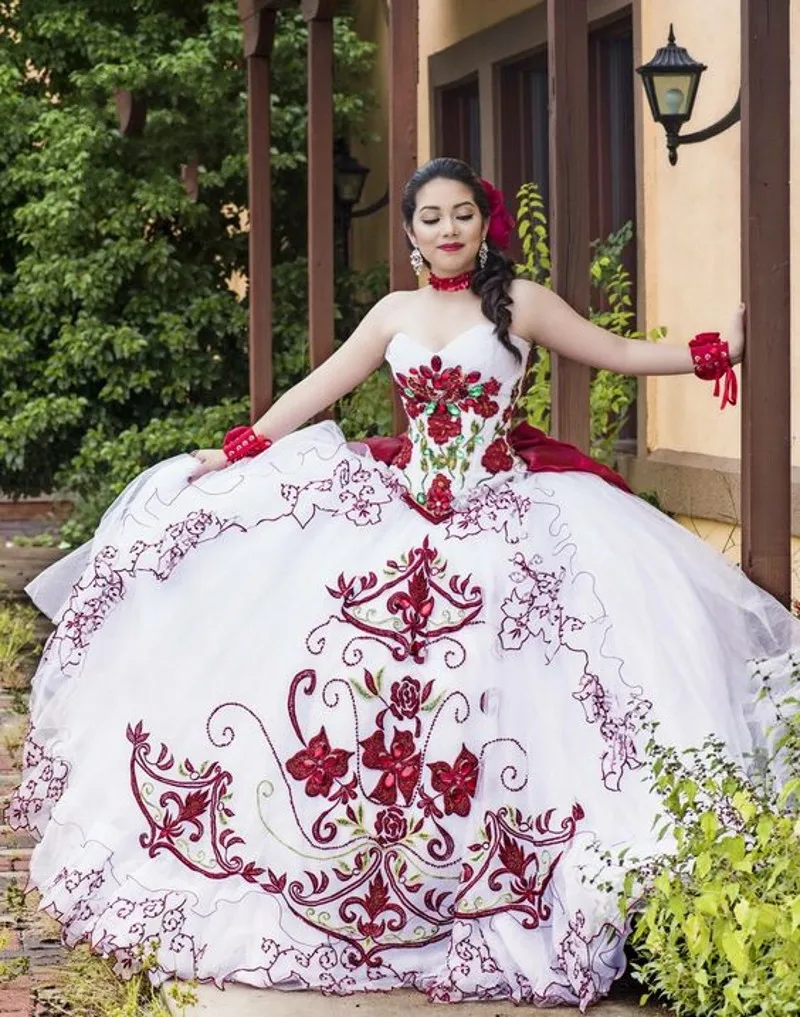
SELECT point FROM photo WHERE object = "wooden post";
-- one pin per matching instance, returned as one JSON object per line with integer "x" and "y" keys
{"x": 766, "y": 422}
{"x": 258, "y": 23}
{"x": 568, "y": 68}
{"x": 319, "y": 15}
{"x": 403, "y": 76}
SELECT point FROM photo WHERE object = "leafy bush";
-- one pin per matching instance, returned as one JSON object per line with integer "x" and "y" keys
{"x": 115, "y": 304}
{"x": 19, "y": 644}
{"x": 719, "y": 919}
{"x": 611, "y": 395}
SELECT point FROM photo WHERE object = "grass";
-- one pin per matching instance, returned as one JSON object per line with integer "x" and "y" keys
{"x": 19, "y": 644}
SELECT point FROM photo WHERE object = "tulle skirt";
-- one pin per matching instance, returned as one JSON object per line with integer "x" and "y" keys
{"x": 289, "y": 732}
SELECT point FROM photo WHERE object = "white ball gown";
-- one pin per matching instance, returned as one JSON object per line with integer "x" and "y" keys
{"x": 353, "y": 717}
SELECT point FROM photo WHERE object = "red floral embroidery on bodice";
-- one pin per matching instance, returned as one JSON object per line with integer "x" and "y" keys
{"x": 459, "y": 417}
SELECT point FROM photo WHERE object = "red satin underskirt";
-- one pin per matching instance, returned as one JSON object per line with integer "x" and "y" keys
{"x": 540, "y": 453}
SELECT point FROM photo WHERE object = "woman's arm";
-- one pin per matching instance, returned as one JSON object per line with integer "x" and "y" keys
{"x": 542, "y": 317}
{"x": 354, "y": 361}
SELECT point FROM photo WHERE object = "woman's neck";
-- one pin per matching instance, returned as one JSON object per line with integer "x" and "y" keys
{"x": 452, "y": 283}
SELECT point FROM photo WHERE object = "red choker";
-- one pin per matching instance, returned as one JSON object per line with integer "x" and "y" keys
{"x": 453, "y": 283}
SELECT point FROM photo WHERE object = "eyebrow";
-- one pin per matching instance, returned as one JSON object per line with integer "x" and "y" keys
{"x": 435, "y": 208}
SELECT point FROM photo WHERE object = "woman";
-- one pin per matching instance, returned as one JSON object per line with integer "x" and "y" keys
{"x": 356, "y": 717}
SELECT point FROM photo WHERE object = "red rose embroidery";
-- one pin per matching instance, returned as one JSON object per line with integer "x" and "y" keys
{"x": 318, "y": 764}
{"x": 403, "y": 455}
{"x": 497, "y": 456}
{"x": 439, "y": 499}
{"x": 401, "y": 765}
{"x": 406, "y": 696}
{"x": 437, "y": 392}
{"x": 390, "y": 826}
{"x": 457, "y": 782}
{"x": 443, "y": 425}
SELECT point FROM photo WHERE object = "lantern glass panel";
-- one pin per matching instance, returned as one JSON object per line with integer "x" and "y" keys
{"x": 349, "y": 186}
{"x": 674, "y": 93}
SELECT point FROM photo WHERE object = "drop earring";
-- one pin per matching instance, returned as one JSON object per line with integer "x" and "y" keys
{"x": 416, "y": 261}
{"x": 483, "y": 253}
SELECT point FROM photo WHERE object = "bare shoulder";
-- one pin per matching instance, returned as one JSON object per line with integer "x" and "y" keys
{"x": 525, "y": 292}
{"x": 528, "y": 300}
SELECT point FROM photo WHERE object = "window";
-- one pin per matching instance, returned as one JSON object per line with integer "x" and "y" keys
{"x": 524, "y": 143}
{"x": 459, "y": 123}
{"x": 524, "y": 138}
{"x": 611, "y": 112}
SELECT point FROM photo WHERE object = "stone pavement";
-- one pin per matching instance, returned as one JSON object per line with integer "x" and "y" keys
{"x": 237, "y": 1001}
{"x": 34, "y": 942}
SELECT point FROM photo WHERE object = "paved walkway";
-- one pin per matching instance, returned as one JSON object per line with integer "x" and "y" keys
{"x": 237, "y": 1001}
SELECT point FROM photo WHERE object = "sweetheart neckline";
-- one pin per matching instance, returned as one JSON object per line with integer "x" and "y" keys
{"x": 455, "y": 339}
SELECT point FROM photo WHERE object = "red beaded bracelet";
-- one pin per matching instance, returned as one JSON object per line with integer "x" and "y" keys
{"x": 243, "y": 442}
{"x": 712, "y": 362}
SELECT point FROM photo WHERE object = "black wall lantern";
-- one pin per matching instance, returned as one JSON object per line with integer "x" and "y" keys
{"x": 349, "y": 177}
{"x": 671, "y": 80}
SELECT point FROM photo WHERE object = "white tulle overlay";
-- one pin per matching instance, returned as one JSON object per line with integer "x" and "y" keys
{"x": 292, "y": 732}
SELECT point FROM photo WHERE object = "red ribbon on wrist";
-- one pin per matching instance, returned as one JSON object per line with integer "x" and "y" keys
{"x": 243, "y": 443}
{"x": 712, "y": 362}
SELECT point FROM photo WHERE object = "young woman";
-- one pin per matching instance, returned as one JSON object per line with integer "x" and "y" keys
{"x": 356, "y": 717}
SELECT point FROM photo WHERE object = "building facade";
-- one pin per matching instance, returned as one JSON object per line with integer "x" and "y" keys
{"x": 483, "y": 96}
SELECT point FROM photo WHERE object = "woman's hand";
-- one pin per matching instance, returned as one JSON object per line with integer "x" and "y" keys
{"x": 208, "y": 461}
{"x": 734, "y": 337}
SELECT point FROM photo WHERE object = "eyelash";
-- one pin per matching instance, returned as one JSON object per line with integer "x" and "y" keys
{"x": 461, "y": 218}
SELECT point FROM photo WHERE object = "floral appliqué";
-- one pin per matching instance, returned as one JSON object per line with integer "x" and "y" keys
{"x": 453, "y": 414}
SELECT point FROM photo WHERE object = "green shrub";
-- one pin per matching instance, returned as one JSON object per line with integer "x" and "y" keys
{"x": 718, "y": 923}
{"x": 19, "y": 644}
{"x": 611, "y": 395}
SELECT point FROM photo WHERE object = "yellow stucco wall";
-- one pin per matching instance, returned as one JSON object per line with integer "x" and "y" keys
{"x": 443, "y": 23}
{"x": 690, "y": 229}
{"x": 689, "y": 214}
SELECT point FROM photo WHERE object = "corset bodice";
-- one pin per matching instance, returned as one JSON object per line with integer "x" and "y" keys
{"x": 460, "y": 402}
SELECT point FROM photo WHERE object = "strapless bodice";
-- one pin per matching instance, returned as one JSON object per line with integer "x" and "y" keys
{"x": 459, "y": 402}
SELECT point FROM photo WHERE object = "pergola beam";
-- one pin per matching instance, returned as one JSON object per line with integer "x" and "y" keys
{"x": 568, "y": 70}
{"x": 766, "y": 419}
{"x": 319, "y": 15}
{"x": 403, "y": 78}
{"x": 258, "y": 23}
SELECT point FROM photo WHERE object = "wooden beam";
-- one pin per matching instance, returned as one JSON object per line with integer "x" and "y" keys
{"x": 131, "y": 110}
{"x": 320, "y": 179}
{"x": 258, "y": 22}
{"x": 766, "y": 421}
{"x": 403, "y": 78}
{"x": 568, "y": 69}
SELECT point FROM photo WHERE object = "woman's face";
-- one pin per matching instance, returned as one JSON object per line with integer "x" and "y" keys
{"x": 447, "y": 226}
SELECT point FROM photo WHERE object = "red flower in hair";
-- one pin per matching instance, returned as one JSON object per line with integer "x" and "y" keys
{"x": 501, "y": 222}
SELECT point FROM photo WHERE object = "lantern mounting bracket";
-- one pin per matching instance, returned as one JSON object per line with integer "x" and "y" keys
{"x": 674, "y": 138}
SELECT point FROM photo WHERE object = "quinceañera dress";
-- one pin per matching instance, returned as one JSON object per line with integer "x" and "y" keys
{"x": 356, "y": 717}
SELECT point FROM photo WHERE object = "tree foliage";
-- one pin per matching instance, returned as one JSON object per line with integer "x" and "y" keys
{"x": 116, "y": 313}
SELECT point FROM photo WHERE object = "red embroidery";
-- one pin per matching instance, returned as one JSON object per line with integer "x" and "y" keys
{"x": 403, "y": 455}
{"x": 400, "y": 765}
{"x": 432, "y": 390}
{"x": 391, "y": 826}
{"x": 497, "y": 458}
{"x": 406, "y": 696}
{"x": 443, "y": 425}
{"x": 439, "y": 497}
{"x": 515, "y": 863}
{"x": 318, "y": 764}
{"x": 457, "y": 782}
{"x": 424, "y": 606}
